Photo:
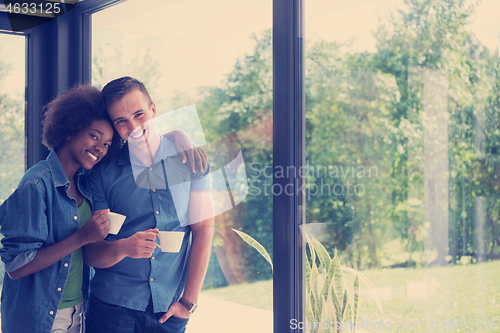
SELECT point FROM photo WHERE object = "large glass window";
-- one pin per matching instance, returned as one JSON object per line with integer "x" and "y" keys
{"x": 12, "y": 78}
{"x": 403, "y": 175}
{"x": 12, "y": 83}
{"x": 208, "y": 67}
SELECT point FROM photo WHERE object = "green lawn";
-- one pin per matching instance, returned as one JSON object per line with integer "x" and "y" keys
{"x": 469, "y": 293}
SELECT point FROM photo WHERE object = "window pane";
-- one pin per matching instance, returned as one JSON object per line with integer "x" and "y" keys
{"x": 12, "y": 154}
{"x": 402, "y": 139}
{"x": 12, "y": 83}
{"x": 208, "y": 67}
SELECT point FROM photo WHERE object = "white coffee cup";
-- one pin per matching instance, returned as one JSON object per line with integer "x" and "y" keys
{"x": 170, "y": 241}
{"x": 116, "y": 220}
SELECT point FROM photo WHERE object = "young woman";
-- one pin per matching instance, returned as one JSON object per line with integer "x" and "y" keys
{"x": 47, "y": 220}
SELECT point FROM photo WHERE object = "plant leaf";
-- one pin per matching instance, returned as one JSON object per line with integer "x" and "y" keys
{"x": 339, "y": 280}
{"x": 311, "y": 248}
{"x": 308, "y": 275}
{"x": 315, "y": 299}
{"x": 256, "y": 245}
{"x": 355, "y": 307}
{"x": 324, "y": 315}
{"x": 328, "y": 280}
{"x": 309, "y": 312}
{"x": 335, "y": 297}
{"x": 344, "y": 306}
{"x": 323, "y": 255}
{"x": 330, "y": 310}
{"x": 347, "y": 315}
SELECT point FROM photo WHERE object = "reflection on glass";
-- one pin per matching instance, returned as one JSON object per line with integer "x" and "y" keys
{"x": 402, "y": 144}
{"x": 209, "y": 70}
{"x": 173, "y": 175}
{"x": 237, "y": 179}
{"x": 12, "y": 150}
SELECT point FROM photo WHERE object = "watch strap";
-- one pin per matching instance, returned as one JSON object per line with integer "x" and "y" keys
{"x": 188, "y": 305}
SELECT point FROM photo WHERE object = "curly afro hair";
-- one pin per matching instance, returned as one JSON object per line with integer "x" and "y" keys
{"x": 70, "y": 112}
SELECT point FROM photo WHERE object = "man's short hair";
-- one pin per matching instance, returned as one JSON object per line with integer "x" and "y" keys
{"x": 118, "y": 88}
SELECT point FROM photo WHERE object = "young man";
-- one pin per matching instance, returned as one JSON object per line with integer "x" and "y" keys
{"x": 138, "y": 288}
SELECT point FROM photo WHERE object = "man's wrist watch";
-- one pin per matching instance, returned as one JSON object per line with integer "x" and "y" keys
{"x": 188, "y": 305}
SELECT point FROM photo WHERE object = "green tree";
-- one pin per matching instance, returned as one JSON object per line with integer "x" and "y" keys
{"x": 348, "y": 145}
{"x": 366, "y": 112}
{"x": 240, "y": 116}
{"x": 433, "y": 35}
{"x": 109, "y": 61}
{"x": 12, "y": 138}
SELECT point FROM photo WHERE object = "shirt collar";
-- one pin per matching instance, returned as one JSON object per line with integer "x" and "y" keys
{"x": 57, "y": 171}
{"x": 166, "y": 149}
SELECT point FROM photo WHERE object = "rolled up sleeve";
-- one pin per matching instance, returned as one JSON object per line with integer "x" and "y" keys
{"x": 23, "y": 225}
{"x": 20, "y": 260}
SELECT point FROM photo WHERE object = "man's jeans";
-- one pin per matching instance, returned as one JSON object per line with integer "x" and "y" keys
{"x": 68, "y": 320}
{"x": 107, "y": 318}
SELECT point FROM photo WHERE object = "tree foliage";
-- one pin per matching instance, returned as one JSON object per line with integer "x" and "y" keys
{"x": 366, "y": 131}
{"x": 12, "y": 138}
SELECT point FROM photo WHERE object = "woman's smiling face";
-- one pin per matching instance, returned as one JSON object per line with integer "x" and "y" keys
{"x": 91, "y": 144}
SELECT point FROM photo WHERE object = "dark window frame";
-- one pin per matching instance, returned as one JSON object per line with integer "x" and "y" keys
{"x": 288, "y": 150}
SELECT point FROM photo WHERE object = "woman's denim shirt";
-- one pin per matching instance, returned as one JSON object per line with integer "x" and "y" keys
{"x": 38, "y": 214}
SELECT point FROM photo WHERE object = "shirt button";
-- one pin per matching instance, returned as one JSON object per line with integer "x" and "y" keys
{"x": 154, "y": 190}
{"x": 151, "y": 169}
{"x": 157, "y": 212}
{"x": 51, "y": 312}
{"x": 59, "y": 289}
{"x": 66, "y": 265}
{"x": 152, "y": 258}
{"x": 151, "y": 280}
{"x": 76, "y": 217}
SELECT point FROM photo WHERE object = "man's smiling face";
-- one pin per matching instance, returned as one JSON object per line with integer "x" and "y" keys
{"x": 129, "y": 115}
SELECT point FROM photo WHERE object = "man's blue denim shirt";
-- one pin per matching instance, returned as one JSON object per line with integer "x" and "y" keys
{"x": 38, "y": 214}
{"x": 132, "y": 282}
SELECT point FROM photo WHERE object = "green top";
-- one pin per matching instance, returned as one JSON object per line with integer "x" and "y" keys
{"x": 72, "y": 294}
